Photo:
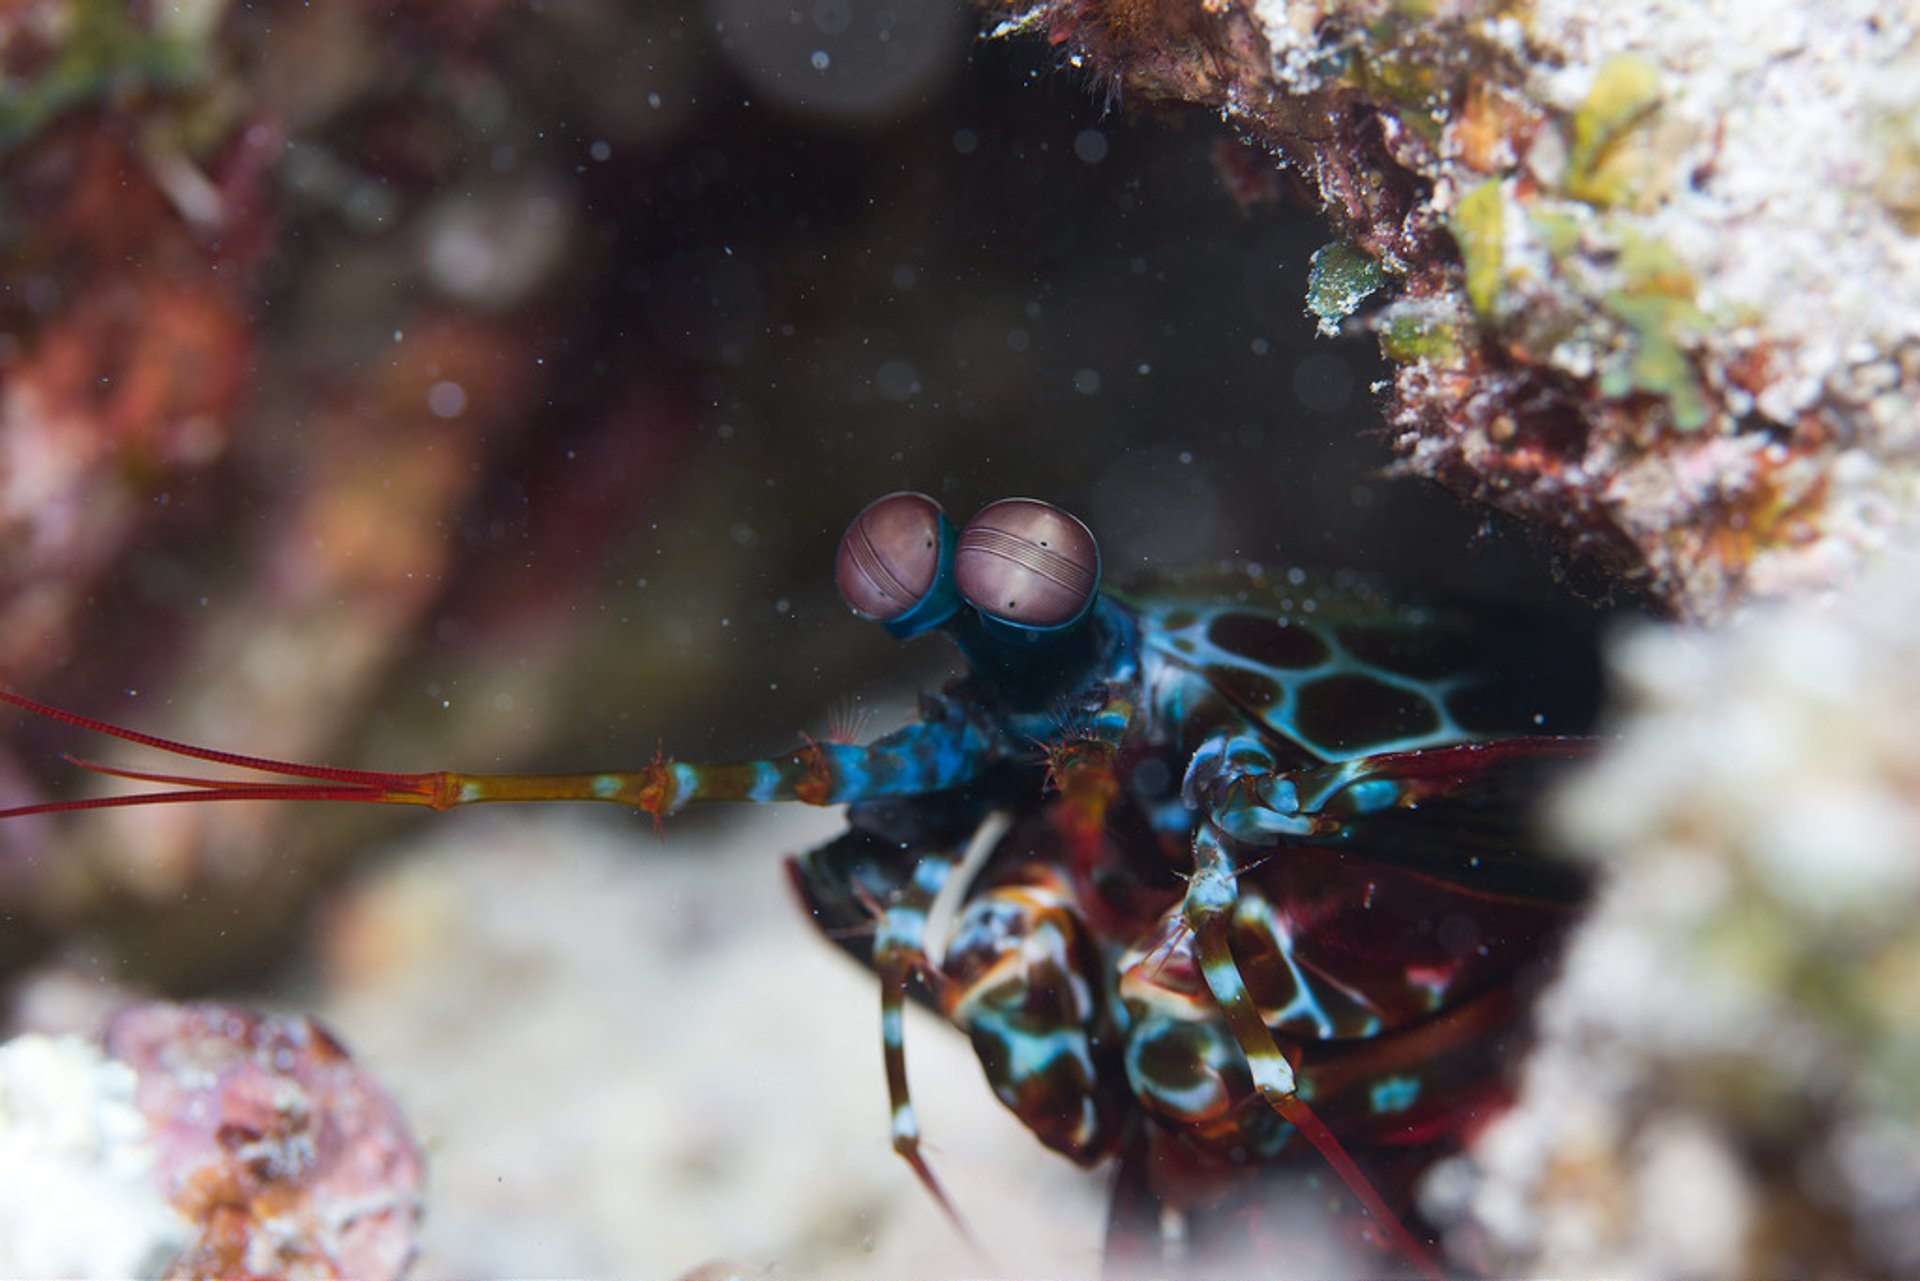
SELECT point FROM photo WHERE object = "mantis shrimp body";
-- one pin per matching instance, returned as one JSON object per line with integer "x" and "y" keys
{"x": 1239, "y": 864}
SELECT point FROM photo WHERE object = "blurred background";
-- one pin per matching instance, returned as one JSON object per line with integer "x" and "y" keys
{"x": 485, "y": 386}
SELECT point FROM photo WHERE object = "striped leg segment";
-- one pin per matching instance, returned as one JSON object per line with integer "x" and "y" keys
{"x": 1208, "y": 910}
{"x": 1446, "y": 830}
{"x": 899, "y": 950}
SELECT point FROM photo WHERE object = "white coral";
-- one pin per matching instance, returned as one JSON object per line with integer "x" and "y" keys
{"x": 76, "y": 1196}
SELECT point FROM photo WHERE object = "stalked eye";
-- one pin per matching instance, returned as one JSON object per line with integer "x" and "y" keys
{"x": 1028, "y": 564}
{"x": 894, "y": 563}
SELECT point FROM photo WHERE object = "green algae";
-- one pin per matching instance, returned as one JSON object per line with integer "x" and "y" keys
{"x": 1603, "y": 169}
{"x": 1410, "y": 333}
{"x": 1479, "y": 226}
{"x": 106, "y": 54}
{"x": 1655, "y": 302}
{"x": 1340, "y": 276}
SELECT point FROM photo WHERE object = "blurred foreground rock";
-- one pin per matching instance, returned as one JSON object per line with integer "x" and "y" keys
{"x": 634, "y": 1056}
{"x": 1728, "y": 1080}
{"x": 78, "y": 1196}
{"x": 207, "y": 1141}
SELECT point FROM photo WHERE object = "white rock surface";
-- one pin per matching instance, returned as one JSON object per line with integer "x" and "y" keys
{"x": 76, "y": 1194}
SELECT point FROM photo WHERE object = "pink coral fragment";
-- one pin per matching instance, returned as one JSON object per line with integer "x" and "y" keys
{"x": 287, "y": 1157}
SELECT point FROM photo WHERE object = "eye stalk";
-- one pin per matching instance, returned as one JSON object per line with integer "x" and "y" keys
{"x": 1028, "y": 567}
{"x": 895, "y": 565}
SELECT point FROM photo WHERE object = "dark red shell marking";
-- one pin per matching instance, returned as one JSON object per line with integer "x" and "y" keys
{"x": 1268, "y": 640}
{"x": 1351, "y": 710}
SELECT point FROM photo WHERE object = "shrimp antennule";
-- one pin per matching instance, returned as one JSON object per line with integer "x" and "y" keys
{"x": 327, "y": 782}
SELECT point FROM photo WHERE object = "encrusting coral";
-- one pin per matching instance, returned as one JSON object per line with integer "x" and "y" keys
{"x": 1658, "y": 277}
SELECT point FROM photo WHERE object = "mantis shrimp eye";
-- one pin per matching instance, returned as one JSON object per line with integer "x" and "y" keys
{"x": 1027, "y": 564}
{"x": 895, "y": 561}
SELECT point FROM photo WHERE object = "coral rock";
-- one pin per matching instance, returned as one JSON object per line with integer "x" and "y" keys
{"x": 1725, "y": 1083}
{"x": 1659, "y": 275}
{"x": 287, "y": 1159}
{"x": 77, "y": 1196}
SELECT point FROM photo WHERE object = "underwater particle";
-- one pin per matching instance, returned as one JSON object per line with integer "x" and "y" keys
{"x": 849, "y": 59}
{"x": 446, "y": 399}
{"x": 1322, "y": 383}
{"x": 897, "y": 381}
{"x": 1090, "y": 146}
{"x": 496, "y": 248}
